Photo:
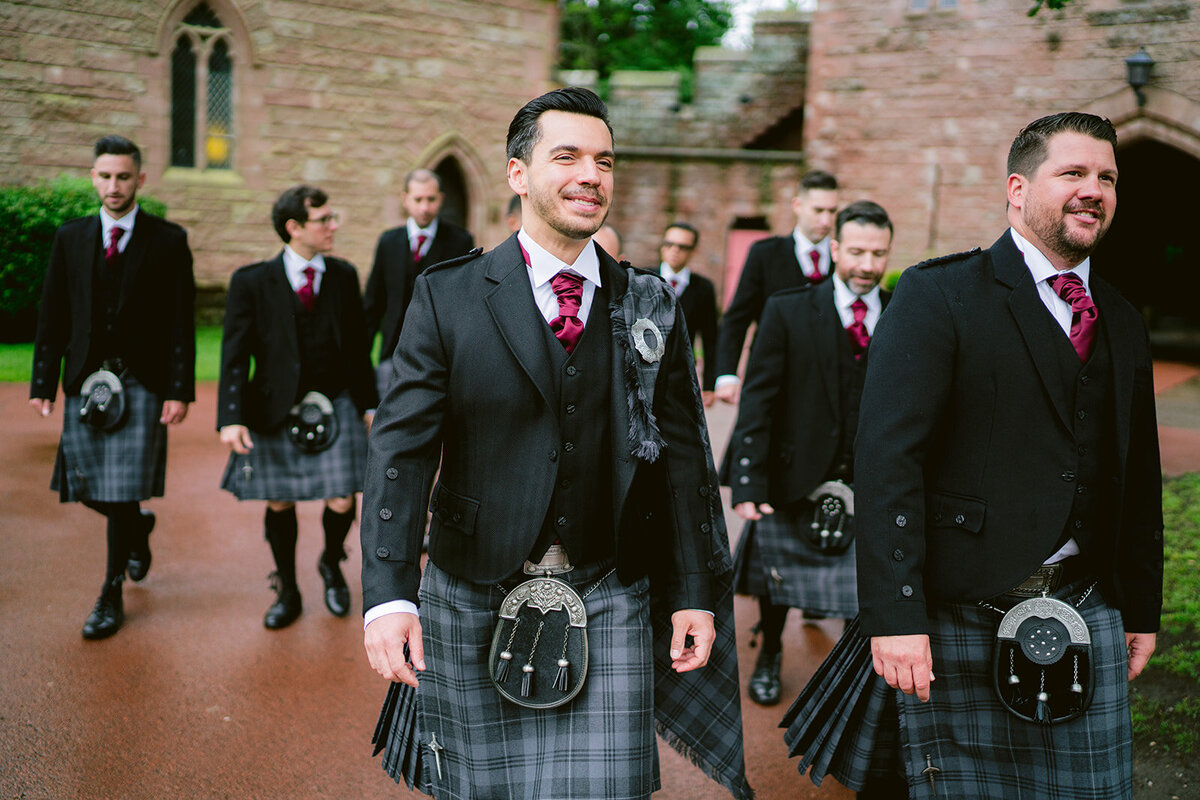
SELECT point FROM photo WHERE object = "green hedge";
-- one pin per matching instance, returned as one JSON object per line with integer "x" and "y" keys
{"x": 31, "y": 216}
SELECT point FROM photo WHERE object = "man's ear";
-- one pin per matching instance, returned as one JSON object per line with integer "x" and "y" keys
{"x": 516, "y": 176}
{"x": 1016, "y": 190}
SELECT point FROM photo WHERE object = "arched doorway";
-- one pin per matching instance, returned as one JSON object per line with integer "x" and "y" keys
{"x": 1149, "y": 253}
{"x": 456, "y": 202}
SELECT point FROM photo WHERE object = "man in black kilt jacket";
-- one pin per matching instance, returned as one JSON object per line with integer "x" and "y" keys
{"x": 1007, "y": 449}
{"x": 556, "y": 389}
{"x": 296, "y": 323}
{"x": 795, "y": 431}
{"x": 117, "y": 301}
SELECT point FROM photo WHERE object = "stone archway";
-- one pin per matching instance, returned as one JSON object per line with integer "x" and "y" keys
{"x": 456, "y": 203}
{"x": 1150, "y": 253}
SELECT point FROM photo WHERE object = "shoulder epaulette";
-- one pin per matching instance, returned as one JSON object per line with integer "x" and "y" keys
{"x": 808, "y": 287}
{"x": 934, "y": 262}
{"x": 454, "y": 262}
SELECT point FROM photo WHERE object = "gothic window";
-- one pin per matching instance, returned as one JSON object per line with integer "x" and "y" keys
{"x": 202, "y": 123}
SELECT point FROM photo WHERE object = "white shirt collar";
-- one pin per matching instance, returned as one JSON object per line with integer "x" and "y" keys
{"x": 107, "y": 222}
{"x": 294, "y": 264}
{"x": 803, "y": 245}
{"x": 683, "y": 275}
{"x": 415, "y": 230}
{"x": 844, "y": 296}
{"x": 1040, "y": 267}
{"x": 544, "y": 266}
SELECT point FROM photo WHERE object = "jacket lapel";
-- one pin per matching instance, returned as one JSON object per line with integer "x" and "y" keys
{"x": 91, "y": 257}
{"x": 1119, "y": 342}
{"x": 515, "y": 315}
{"x": 624, "y": 464}
{"x": 1031, "y": 316}
{"x": 822, "y": 338}
{"x": 135, "y": 254}
{"x": 282, "y": 303}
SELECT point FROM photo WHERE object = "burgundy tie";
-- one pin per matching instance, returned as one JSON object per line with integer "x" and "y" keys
{"x": 421, "y": 238}
{"x": 306, "y": 294}
{"x": 567, "y": 326}
{"x": 815, "y": 276}
{"x": 675, "y": 284}
{"x": 114, "y": 236}
{"x": 859, "y": 338}
{"x": 1083, "y": 317}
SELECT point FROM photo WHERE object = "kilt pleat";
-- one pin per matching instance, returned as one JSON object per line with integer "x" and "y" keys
{"x": 128, "y": 464}
{"x": 775, "y": 559}
{"x": 275, "y": 469}
{"x": 982, "y": 750}
{"x": 600, "y": 745}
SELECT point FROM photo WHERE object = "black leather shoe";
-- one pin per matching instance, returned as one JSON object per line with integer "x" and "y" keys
{"x": 337, "y": 594}
{"x": 764, "y": 681}
{"x": 286, "y": 608}
{"x": 139, "y": 554}
{"x": 108, "y": 615}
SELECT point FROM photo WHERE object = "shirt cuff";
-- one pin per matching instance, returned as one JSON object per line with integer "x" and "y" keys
{"x": 390, "y": 607}
{"x": 727, "y": 380}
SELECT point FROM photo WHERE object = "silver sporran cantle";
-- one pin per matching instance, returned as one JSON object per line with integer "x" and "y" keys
{"x": 104, "y": 404}
{"x": 312, "y": 424}
{"x": 832, "y": 528}
{"x": 1042, "y": 668}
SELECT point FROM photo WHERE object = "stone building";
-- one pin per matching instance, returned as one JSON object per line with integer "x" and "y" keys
{"x": 234, "y": 100}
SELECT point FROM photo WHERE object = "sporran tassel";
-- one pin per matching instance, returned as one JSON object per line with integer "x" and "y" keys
{"x": 502, "y": 666}
{"x": 527, "y": 680}
{"x": 561, "y": 679}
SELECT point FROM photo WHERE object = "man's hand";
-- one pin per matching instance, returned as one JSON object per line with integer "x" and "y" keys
{"x": 238, "y": 438}
{"x": 173, "y": 412}
{"x": 41, "y": 405}
{"x": 905, "y": 662}
{"x": 698, "y": 624}
{"x": 368, "y": 418}
{"x": 1141, "y": 646}
{"x": 707, "y": 398}
{"x": 728, "y": 392}
{"x": 384, "y": 640}
{"x": 749, "y": 510}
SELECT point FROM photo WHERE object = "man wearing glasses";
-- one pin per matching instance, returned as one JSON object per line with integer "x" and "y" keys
{"x": 296, "y": 429}
{"x": 697, "y": 296}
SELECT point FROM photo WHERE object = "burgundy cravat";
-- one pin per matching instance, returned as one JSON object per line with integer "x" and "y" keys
{"x": 859, "y": 338}
{"x": 815, "y": 276}
{"x": 675, "y": 284}
{"x": 114, "y": 236}
{"x": 421, "y": 238}
{"x": 1083, "y": 317}
{"x": 306, "y": 292}
{"x": 567, "y": 326}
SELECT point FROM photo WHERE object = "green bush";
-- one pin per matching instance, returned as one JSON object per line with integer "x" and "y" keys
{"x": 32, "y": 214}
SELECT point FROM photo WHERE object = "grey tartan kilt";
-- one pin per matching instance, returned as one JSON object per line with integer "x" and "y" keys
{"x": 128, "y": 464}
{"x": 600, "y": 745}
{"x": 775, "y": 560}
{"x": 275, "y": 469}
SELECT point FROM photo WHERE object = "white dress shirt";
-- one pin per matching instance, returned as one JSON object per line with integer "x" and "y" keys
{"x": 126, "y": 223}
{"x": 844, "y": 297}
{"x": 804, "y": 247}
{"x": 681, "y": 279}
{"x": 428, "y": 232}
{"x": 294, "y": 264}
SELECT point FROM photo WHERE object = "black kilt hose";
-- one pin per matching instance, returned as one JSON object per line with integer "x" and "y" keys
{"x": 599, "y": 745}
{"x": 775, "y": 560}
{"x": 275, "y": 469}
{"x": 979, "y": 749}
{"x": 128, "y": 464}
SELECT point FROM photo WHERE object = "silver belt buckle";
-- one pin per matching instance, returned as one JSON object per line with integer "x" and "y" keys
{"x": 1045, "y": 579}
{"x": 554, "y": 562}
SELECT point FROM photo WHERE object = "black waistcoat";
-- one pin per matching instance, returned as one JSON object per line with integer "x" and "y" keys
{"x": 321, "y": 368}
{"x": 106, "y": 299}
{"x": 851, "y": 373}
{"x": 580, "y": 513}
{"x": 1093, "y": 419}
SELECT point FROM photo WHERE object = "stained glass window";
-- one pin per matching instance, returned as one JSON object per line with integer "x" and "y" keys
{"x": 202, "y": 132}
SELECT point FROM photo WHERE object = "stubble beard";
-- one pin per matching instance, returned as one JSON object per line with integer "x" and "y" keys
{"x": 1052, "y": 229}
{"x": 546, "y": 208}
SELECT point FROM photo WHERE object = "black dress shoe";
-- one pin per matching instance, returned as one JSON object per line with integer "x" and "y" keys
{"x": 764, "y": 681}
{"x": 337, "y": 594}
{"x": 286, "y": 608}
{"x": 109, "y": 613}
{"x": 139, "y": 553}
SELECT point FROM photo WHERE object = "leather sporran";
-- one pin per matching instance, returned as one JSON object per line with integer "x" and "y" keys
{"x": 104, "y": 401}
{"x": 539, "y": 654}
{"x": 1042, "y": 667}
{"x": 312, "y": 424}
{"x": 832, "y": 528}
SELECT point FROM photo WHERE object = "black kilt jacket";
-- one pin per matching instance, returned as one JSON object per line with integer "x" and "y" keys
{"x": 154, "y": 331}
{"x": 698, "y": 301}
{"x": 961, "y": 414}
{"x": 260, "y": 327}
{"x": 393, "y": 273}
{"x": 473, "y": 389}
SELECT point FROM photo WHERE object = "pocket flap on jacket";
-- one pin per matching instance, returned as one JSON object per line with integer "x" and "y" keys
{"x": 454, "y": 510}
{"x": 957, "y": 511}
